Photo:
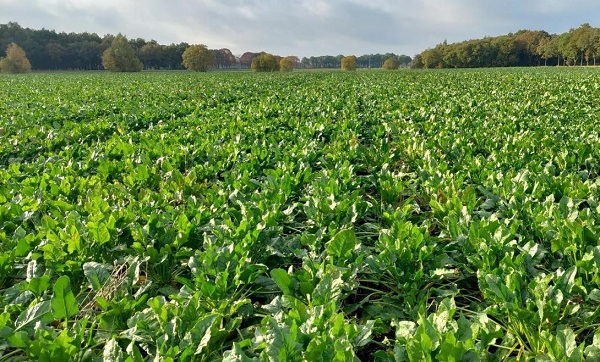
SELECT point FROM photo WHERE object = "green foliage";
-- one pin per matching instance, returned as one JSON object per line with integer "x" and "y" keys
{"x": 265, "y": 62}
{"x": 64, "y": 304}
{"x": 448, "y": 215}
{"x": 198, "y": 58}
{"x": 15, "y": 60}
{"x": 523, "y": 48}
{"x": 120, "y": 56}
{"x": 349, "y": 63}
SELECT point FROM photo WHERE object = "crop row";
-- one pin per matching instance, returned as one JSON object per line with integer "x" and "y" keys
{"x": 447, "y": 215}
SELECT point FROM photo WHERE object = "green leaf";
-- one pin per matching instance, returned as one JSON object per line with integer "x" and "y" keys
{"x": 566, "y": 340}
{"x": 64, "y": 304}
{"x": 236, "y": 354}
{"x": 329, "y": 289}
{"x": 497, "y": 287}
{"x": 99, "y": 232}
{"x": 594, "y": 295}
{"x": 592, "y": 352}
{"x": 183, "y": 223}
{"x": 97, "y": 274}
{"x": 320, "y": 349}
{"x": 365, "y": 334}
{"x": 33, "y": 314}
{"x": 5, "y": 332}
{"x": 200, "y": 334}
{"x": 38, "y": 285}
{"x": 282, "y": 344}
{"x": 112, "y": 351}
{"x": 283, "y": 281}
{"x": 342, "y": 244}
{"x": 73, "y": 240}
{"x": 48, "y": 223}
{"x": 23, "y": 248}
{"x": 405, "y": 330}
{"x": 566, "y": 279}
{"x": 19, "y": 339}
{"x": 133, "y": 353}
{"x": 488, "y": 204}
{"x": 465, "y": 330}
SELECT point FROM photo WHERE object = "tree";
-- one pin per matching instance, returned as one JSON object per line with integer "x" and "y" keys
{"x": 596, "y": 48}
{"x": 404, "y": 60}
{"x": 152, "y": 55}
{"x": 349, "y": 62}
{"x": 547, "y": 49}
{"x": 287, "y": 64}
{"x": 15, "y": 61}
{"x": 432, "y": 58}
{"x": 583, "y": 37}
{"x": 265, "y": 63}
{"x": 247, "y": 58}
{"x": 417, "y": 62}
{"x": 566, "y": 48}
{"x": 198, "y": 58}
{"x": 55, "y": 53}
{"x": 120, "y": 56}
{"x": 224, "y": 58}
{"x": 390, "y": 64}
{"x": 173, "y": 55}
{"x": 529, "y": 42}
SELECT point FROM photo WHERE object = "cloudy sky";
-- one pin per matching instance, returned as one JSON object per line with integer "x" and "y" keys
{"x": 304, "y": 27}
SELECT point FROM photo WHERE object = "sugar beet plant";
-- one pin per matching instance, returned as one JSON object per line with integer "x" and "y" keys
{"x": 317, "y": 216}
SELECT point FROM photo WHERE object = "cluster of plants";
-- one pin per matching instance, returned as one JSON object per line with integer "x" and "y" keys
{"x": 320, "y": 216}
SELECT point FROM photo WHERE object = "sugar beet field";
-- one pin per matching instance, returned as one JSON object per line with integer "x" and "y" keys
{"x": 310, "y": 216}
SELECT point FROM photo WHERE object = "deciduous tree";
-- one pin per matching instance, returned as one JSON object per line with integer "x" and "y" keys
{"x": 287, "y": 64}
{"x": 247, "y": 58}
{"x": 390, "y": 64}
{"x": 15, "y": 61}
{"x": 198, "y": 58}
{"x": 349, "y": 62}
{"x": 224, "y": 58}
{"x": 265, "y": 63}
{"x": 583, "y": 37}
{"x": 120, "y": 56}
{"x": 152, "y": 55}
{"x": 417, "y": 62}
{"x": 55, "y": 53}
{"x": 547, "y": 49}
{"x": 432, "y": 58}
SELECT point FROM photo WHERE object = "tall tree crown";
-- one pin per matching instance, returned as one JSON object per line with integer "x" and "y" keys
{"x": 15, "y": 61}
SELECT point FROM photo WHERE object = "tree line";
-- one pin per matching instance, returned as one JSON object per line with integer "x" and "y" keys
{"x": 363, "y": 61}
{"x": 578, "y": 46}
{"x": 49, "y": 50}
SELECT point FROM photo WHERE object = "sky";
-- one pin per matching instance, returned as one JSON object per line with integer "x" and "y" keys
{"x": 303, "y": 27}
